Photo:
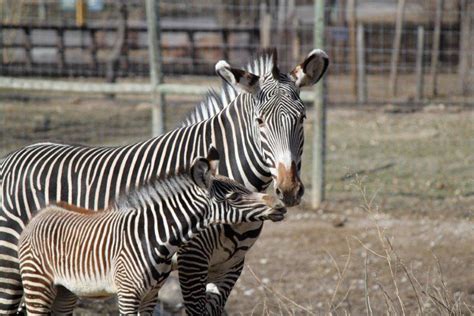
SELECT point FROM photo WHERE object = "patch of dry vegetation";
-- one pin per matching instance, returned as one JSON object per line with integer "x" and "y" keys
{"x": 373, "y": 278}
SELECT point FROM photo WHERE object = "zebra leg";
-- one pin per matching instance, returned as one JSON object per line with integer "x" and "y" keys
{"x": 193, "y": 265}
{"x": 38, "y": 284}
{"x": 64, "y": 302}
{"x": 128, "y": 304}
{"x": 39, "y": 298}
{"x": 224, "y": 283}
{"x": 149, "y": 301}
{"x": 11, "y": 290}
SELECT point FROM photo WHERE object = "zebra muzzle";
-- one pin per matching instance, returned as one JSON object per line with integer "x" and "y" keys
{"x": 278, "y": 214}
{"x": 288, "y": 186}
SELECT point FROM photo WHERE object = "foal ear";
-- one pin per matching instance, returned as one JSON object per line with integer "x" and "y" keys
{"x": 238, "y": 78}
{"x": 213, "y": 159}
{"x": 201, "y": 173}
{"x": 311, "y": 69}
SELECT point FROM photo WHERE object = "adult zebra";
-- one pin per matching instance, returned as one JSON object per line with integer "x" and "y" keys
{"x": 259, "y": 136}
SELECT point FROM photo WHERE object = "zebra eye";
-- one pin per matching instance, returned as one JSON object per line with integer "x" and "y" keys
{"x": 260, "y": 122}
{"x": 232, "y": 196}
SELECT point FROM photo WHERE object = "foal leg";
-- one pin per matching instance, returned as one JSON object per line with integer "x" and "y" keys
{"x": 39, "y": 297}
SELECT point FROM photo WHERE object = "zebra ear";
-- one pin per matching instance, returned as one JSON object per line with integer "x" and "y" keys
{"x": 238, "y": 78}
{"x": 311, "y": 69}
{"x": 201, "y": 173}
{"x": 213, "y": 159}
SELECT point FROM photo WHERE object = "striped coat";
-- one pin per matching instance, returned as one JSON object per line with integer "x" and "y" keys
{"x": 126, "y": 250}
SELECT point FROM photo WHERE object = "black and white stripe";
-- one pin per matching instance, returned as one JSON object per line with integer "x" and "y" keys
{"x": 243, "y": 133}
{"x": 126, "y": 250}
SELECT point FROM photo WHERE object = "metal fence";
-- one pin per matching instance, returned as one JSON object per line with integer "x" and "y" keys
{"x": 78, "y": 70}
{"x": 381, "y": 51}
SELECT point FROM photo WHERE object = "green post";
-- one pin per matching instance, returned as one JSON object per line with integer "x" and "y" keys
{"x": 319, "y": 121}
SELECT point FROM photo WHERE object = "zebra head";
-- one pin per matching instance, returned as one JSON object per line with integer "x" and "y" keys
{"x": 232, "y": 202}
{"x": 279, "y": 113}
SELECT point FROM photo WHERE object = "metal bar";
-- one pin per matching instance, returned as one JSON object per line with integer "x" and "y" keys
{"x": 361, "y": 78}
{"x": 351, "y": 8}
{"x": 117, "y": 88}
{"x": 464, "y": 49}
{"x": 134, "y": 28}
{"x": 154, "y": 50}
{"x": 396, "y": 49}
{"x": 319, "y": 112}
{"x": 419, "y": 63}
{"x": 435, "y": 51}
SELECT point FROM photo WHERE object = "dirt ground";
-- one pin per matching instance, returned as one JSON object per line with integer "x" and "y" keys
{"x": 395, "y": 234}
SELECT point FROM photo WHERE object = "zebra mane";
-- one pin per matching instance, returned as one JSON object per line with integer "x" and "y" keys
{"x": 159, "y": 188}
{"x": 214, "y": 102}
{"x": 264, "y": 62}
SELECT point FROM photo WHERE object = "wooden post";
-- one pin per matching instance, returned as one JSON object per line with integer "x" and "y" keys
{"x": 93, "y": 49}
{"x": 60, "y": 48}
{"x": 28, "y": 47}
{"x": 296, "y": 45}
{"x": 225, "y": 44}
{"x": 192, "y": 50}
{"x": 42, "y": 10}
{"x": 419, "y": 63}
{"x": 154, "y": 50}
{"x": 124, "y": 48}
{"x": 114, "y": 61}
{"x": 340, "y": 44}
{"x": 351, "y": 7}
{"x": 265, "y": 26}
{"x": 435, "y": 51}
{"x": 81, "y": 10}
{"x": 2, "y": 60}
{"x": 464, "y": 46}
{"x": 396, "y": 49}
{"x": 361, "y": 77}
{"x": 319, "y": 121}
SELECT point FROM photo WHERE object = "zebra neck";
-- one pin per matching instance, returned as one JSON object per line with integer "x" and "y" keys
{"x": 235, "y": 135}
{"x": 167, "y": 220}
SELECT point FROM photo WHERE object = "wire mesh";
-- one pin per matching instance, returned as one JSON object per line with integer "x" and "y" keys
{"x": 417, "y": 162}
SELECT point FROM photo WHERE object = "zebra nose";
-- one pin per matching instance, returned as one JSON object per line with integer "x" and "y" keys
{"x": 292, "y": 196}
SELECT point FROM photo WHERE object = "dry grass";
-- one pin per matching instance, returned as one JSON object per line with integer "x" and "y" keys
{"x": 406, "y": 243}
{"x": 390, "y": 285}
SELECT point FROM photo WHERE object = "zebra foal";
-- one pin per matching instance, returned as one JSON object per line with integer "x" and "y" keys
{"x": 66, "y": 252}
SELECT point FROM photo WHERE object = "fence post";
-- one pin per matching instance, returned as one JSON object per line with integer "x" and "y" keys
{"x": 396, "y": 49}
{"x": 154, "y": 51}
{"x": 265, "y": 26}
{"x": 351, "y": 8}
{"x": 464, "y": 46}
{"x": 435, "y": 51}
{"x": 319, "y": 121}
{"x": 81, "y": 11}
{"x": 419, "y": 63}
{"x": 361, "y": 77}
